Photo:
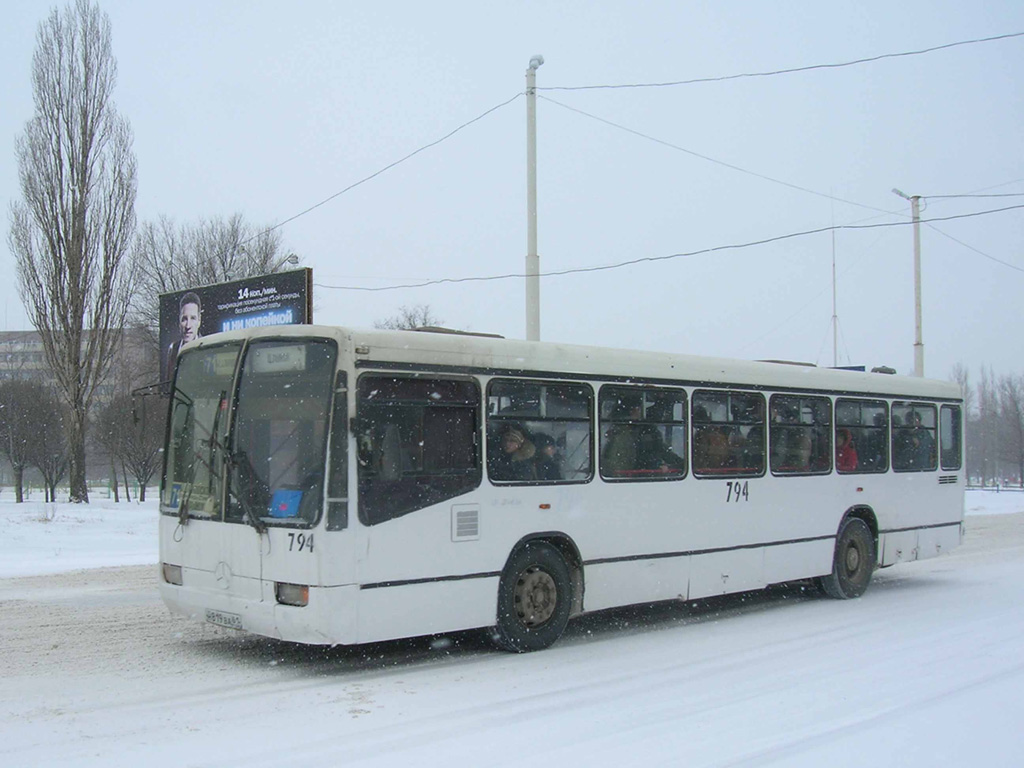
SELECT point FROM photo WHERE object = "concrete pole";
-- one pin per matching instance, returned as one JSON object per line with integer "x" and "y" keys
{"x": 532, "y": 258}
{"x": 915, "y": 207}
{"x": 915, "y": 210}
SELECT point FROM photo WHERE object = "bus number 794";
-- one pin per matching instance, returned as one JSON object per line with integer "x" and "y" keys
{"x": 737, "y": 490}
{"x": 300, "y": 542}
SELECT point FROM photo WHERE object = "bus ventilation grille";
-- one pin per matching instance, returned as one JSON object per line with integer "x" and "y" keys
{"x": 947, "y": 480}
{"x": 465, "y": 523}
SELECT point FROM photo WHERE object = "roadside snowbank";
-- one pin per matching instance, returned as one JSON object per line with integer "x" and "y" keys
{"x": 37, "y": 538}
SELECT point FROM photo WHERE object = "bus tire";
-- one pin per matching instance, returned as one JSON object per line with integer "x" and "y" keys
{"x": 853, "y": 563}
{"x": 534, "y": 599}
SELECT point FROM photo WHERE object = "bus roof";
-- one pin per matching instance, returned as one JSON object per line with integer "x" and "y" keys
{"x": 470, "y": 353}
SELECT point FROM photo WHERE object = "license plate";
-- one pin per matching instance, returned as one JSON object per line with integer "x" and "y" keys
{"x": 229, "y": 620}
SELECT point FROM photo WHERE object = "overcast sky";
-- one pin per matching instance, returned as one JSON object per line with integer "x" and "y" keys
{"x": 268, "y": 108}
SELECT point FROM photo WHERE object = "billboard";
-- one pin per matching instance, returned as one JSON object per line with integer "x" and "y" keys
{"x": 281, "y": 298}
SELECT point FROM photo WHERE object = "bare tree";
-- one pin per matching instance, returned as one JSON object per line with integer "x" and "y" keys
{"x": 1011, "y": 401}
{"x": 985, "y": 428}
{"x": 48, "y": 450}
{"x": 962, "y": 376}
{"x": 133, "y": 438}
{"x": 409, "y": 319}
{"x": 72, "y": 230}
{"x": 173, "y": 257}
{"x": 16, "y": 429}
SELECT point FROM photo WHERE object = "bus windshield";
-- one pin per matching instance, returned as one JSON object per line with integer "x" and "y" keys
{"x": 198, "y": 430}
{"x": 272, "y": 449}
{"x": 279, "y": 436}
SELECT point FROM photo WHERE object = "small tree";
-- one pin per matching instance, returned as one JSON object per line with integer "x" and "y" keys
{"x": 985, "y": 428}
{"x": 48, "y": 450}
{"x": 16, "y": 428}
{"x": 132, "y": 438}
{"x": 1011, "y": 401}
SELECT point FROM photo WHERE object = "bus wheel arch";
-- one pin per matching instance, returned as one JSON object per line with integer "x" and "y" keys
{"x": 856, "y": 555}
{"x": 540, "y": 588}
{"x": 867, "y": 514}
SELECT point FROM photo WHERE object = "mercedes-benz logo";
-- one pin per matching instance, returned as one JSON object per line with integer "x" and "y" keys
{"x": 223, "y": 575}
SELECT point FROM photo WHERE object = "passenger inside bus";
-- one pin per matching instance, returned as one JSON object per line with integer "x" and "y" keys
{"x": 512, "y": 459}
{"x": 846, "y": 452}
{"x": 923, "y": 443}
{"x": 548, "y": 463}
{"x": 635, "y": 448}
{"x": 752, "y": 452}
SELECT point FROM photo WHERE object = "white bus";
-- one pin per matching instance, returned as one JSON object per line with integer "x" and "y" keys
{"x": 334, "y": 486}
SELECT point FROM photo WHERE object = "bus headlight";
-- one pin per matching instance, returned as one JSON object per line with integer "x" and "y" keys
{"x": 172, "y": 573}
{"x": 292, "y": 594}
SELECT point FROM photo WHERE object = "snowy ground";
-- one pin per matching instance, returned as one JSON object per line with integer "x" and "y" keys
{"x": 926, "y": 670}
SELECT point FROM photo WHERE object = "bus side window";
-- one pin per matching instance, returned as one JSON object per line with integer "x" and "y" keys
{"x": 337, "y": 483}
{"x": 539, "y": 432}
{"x": 950, "y": 436}
{"x": 417, "y": 443}
{"x": 800, "y": 434}
{"x": 913, "y": 437}
{"x": 862, "y": 436}
{"x": 643, "y": 433}
{"x": 728, "y": 433}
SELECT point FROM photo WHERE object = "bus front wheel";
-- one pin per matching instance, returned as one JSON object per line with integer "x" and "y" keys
{"x": 534, "y": 599}
{"x": 854, "y": 561}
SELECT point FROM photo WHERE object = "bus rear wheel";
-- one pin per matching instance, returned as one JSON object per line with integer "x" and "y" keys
{"x": 854, "y": 561}
{"x": 534, "y": 599}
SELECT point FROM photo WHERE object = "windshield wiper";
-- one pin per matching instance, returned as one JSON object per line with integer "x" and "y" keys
{"x": 234, "y": 462}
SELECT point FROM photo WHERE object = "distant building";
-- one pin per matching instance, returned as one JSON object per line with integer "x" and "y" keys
{"x": 22, "y": 358}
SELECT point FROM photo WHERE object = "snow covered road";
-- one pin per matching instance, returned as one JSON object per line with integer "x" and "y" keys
{"x": 926, "y": 670}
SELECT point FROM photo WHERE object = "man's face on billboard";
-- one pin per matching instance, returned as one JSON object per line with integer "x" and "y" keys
{"x": 188, "y": 322}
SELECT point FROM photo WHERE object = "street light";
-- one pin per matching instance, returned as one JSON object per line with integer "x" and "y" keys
{"x": 532, "y": 259}
{"x": 915, "y": 209}
{"x": 291, "y": 258}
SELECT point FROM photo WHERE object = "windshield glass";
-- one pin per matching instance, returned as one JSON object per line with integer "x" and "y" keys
{"x": 279, "y": 440}
{"x": 198, "y": 429}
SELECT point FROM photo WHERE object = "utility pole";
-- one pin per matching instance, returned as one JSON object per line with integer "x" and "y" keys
{"x": 532, "y": 259}
{"x": 915, "y": 209}
{"x": 835, "y": 313}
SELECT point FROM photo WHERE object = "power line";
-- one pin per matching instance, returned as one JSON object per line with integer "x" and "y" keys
{"x": 960, "y": 197}
{"x": 724, "y": 164}
{"x": 385, "y": 169}
{"x": 703, "y": 251}
{"x": 972, "y": 248}
{"x": 789, "y": 71}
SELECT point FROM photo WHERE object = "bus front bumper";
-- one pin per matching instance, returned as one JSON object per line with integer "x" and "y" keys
{"x": 328, "y": 619}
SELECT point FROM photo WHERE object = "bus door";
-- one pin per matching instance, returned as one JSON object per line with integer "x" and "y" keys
{"x": 278, "y": 458}
{"x": 202, "y": 540}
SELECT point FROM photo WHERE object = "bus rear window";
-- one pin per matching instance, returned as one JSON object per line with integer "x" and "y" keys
{"x": 951, "y": 447}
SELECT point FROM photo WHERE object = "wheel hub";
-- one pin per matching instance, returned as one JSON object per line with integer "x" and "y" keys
{"x": 852, "y": 559}
{"x": 536, "y": 597}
